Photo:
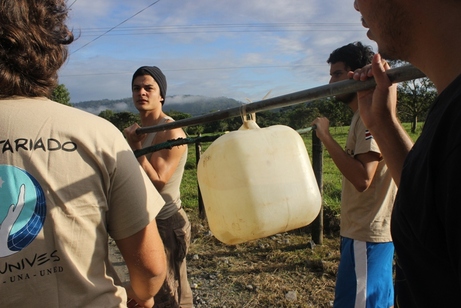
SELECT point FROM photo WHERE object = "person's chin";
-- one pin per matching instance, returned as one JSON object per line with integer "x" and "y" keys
{"x": 345, "y": 98}
{"x": 141, "y": 105}
{"x": 370, "y": 35}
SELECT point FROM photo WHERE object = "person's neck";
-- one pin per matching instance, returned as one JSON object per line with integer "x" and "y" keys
{"x": 442, "y": 65}
{"x": 354, "y": 104}
{"x": 151, "y": 117}
{"x": 438, "y": 52}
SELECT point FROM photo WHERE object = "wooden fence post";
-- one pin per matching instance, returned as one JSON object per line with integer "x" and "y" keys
{"x": 201, "y": 207}
{"x": 317, "y": 164}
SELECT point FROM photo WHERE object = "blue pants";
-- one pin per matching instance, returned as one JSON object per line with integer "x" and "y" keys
{"x": 365, "y": 275}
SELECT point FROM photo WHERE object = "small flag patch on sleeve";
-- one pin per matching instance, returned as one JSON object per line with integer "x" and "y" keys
{"x": 368, "y": 135}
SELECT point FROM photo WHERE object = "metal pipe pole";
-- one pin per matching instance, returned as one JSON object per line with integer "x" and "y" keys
{"x": 399, "y": 74}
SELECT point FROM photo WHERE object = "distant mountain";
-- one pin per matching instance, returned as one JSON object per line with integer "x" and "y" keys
{"x": 194, "y": 105}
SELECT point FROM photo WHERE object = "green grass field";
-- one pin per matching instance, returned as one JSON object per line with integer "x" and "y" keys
{"x": 331, "y": 176}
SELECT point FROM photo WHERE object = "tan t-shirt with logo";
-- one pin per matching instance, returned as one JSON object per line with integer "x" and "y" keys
{"x": 366, "y": 216}
{"x": 68, "y": 180}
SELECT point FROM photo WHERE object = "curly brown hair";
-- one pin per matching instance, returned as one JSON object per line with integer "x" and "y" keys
{"x": 354, "y": 55}
{"x": 33, "y": 39}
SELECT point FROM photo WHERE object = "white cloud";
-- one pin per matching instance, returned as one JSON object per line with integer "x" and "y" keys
{"x": 239, "y": 49}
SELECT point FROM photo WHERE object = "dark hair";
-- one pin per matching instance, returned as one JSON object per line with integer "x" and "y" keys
{"x": 33, "y": 39}
{"x": 354, "y": 55}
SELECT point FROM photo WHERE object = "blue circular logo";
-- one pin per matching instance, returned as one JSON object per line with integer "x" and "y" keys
{"x": 22, "y": 209}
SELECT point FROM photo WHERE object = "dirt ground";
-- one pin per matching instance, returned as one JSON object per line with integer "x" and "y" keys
{"x": 283, "y": 270}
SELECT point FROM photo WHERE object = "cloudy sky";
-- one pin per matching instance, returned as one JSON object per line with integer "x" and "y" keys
{"x": 242, "y": 49}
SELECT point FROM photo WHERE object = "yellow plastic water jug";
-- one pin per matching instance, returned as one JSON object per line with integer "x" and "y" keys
{"x": 256, "y": 182}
